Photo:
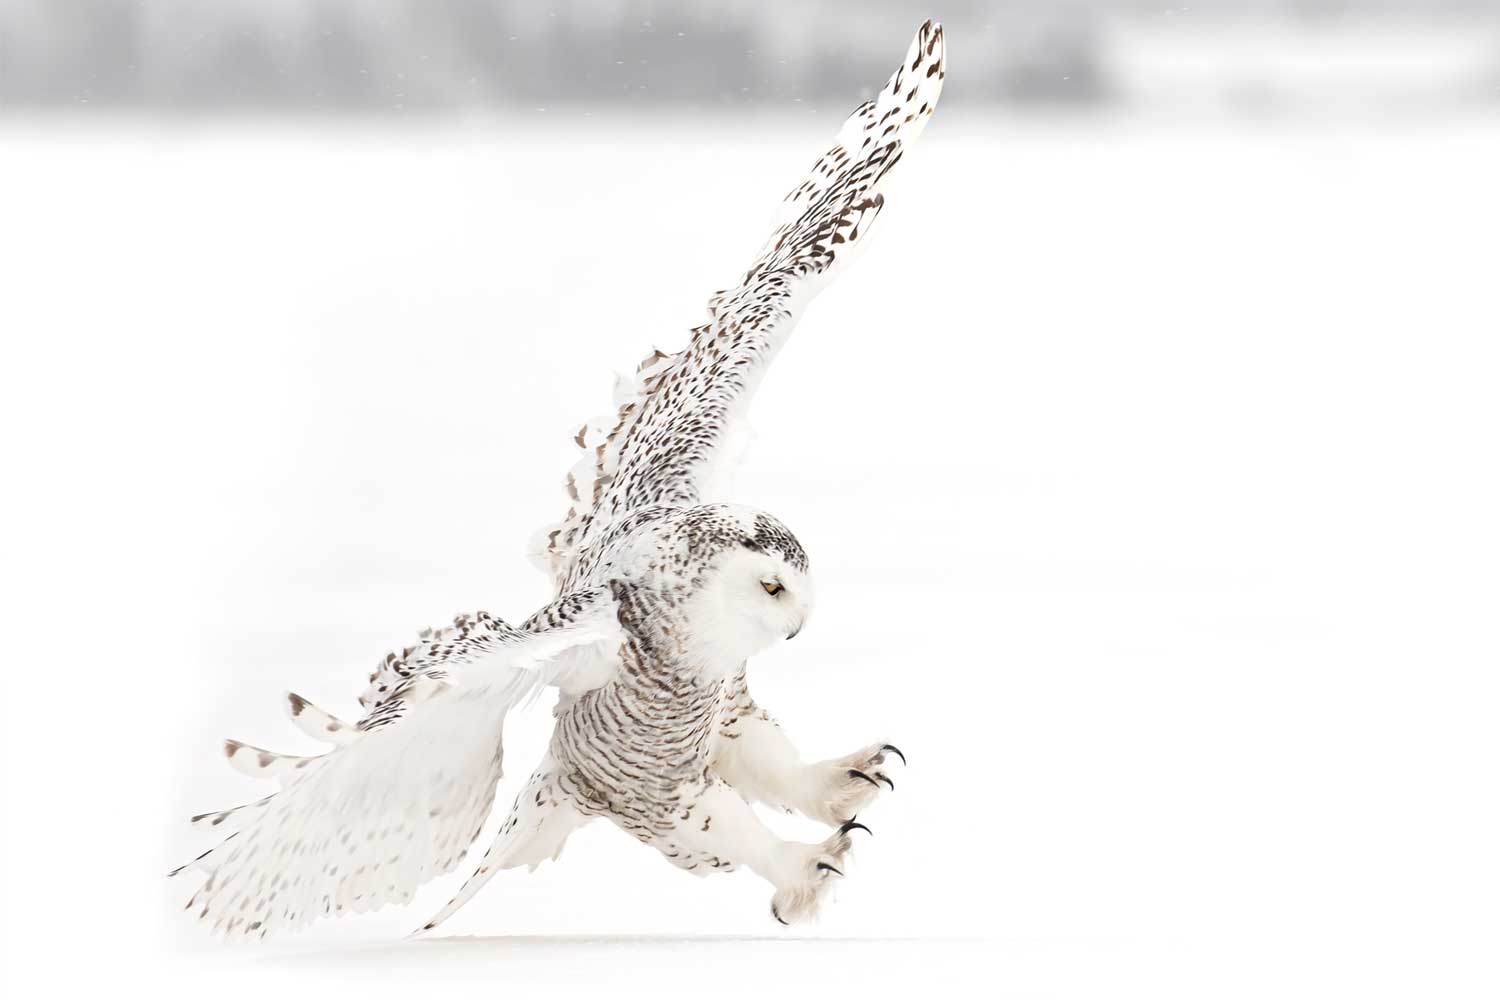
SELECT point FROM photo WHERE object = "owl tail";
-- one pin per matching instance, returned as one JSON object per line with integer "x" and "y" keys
{"x": 535, "y": 831}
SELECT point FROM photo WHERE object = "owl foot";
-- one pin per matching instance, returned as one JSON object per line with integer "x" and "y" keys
{"x": 809, "y": 871}
{"x": 840, "y": 788}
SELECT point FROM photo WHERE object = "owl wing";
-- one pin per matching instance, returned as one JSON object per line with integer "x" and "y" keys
{"x": 670, "y": 440}
{"x": 403, "y": 793}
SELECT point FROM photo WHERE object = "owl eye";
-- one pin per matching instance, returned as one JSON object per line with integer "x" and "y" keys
{"x": 772, "y": 587}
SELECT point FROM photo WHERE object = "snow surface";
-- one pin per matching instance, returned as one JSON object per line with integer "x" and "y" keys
{"x": 1148, "y": 471}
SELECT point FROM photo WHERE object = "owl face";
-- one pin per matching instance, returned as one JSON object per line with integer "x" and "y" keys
{"x": 774, "y": 594}
{"x": 748, "y": 600}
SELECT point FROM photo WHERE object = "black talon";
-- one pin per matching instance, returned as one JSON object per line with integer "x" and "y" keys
{"x": 855, "y": 825}
{"x": 860, "y": 774}
{"x": 895, "y": 750}
{"x": 778, "y": 916}
{"x": 885, "y": 778}
{"x": 825, "y": 866}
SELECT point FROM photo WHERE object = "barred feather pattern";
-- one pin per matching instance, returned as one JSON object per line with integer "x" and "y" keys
{"x": 670, "y": 438}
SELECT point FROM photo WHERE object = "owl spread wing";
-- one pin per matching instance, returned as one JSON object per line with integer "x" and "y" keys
{"x": 403, "y": 792}
{"x": 671, "y": 439}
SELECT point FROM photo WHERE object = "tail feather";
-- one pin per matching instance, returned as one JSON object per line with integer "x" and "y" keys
{"x": 535, "y": 831}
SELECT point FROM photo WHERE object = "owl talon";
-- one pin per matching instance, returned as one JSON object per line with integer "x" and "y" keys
{"x": 842, "y": 787}
{"x": 895, "y": 750}
{"x": 855, "y": 825}
{"x": 808, "y": 875}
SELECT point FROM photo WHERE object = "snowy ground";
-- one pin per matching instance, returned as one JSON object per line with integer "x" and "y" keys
{"x": 1148, "y": 471}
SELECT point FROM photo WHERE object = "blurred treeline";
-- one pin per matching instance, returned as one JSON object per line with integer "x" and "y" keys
{"x": 353, "y": 55}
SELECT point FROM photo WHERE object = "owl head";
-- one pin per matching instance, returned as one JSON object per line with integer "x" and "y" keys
{"x": 745, "y": 580}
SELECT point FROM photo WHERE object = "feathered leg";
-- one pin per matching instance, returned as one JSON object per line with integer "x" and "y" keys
{"x": 719, "y": 831}
{"x": 755, "y": 756}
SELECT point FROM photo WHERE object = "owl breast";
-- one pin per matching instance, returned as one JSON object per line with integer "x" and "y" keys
{"x": 639, "y": 745}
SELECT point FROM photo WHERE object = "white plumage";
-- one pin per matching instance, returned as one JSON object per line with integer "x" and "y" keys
{"x": 663, "y": 591}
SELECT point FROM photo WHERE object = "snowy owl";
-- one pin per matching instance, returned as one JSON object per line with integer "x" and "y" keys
{"x": 663, "y": 595}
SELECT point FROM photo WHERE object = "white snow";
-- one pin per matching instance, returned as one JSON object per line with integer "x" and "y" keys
{"x": 1148, "y": 472}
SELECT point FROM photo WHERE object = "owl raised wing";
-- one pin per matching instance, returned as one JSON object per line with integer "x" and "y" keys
{"x": 672, "y": 438}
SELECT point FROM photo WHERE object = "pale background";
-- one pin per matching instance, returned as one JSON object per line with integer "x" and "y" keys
{"x": 1147, "y": 463}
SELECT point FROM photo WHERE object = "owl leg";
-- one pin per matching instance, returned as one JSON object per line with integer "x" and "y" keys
{"x": 754, "y": 755}
{"x": 719, "y": 830}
